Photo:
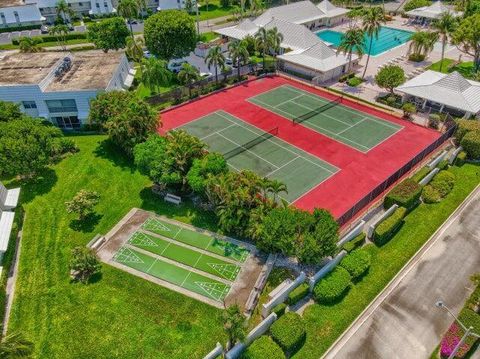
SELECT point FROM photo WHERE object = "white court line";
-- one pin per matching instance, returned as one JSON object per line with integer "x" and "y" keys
{"x": 217, "y": 132}
{"x": 347, "y": 129}
{"x": 151, "y": 266}
{"x": 279, "y": 168}
{"x": 285, "y": 148}
{"x": 188, "y": 275}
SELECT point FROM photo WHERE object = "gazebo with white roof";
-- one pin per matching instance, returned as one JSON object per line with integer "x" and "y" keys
{"x": 450, "y": 93}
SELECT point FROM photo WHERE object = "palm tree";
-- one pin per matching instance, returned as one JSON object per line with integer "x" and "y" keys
{"x": 142, "y": 7}
{"x": 352, "y": 40}
{"x": 277, "y": 187}
{"x": 239, "y": 53}
{"x": 154, "y": 73}
{"x": 276, "y": 39}
{"x": 263, "y": 43}
{"x": 188, "y": 75}
{"x": 373, "y": 18}
{"x": 444, "y": 26}
{"x": 234, "y": 324}
{"x": 60, "y": 32}
{"x": 14, "y": 345}
{"x": 134, "y": 49}
{"x": 255, "y": 7}
{"x": 215, "y": 58}
{"x": 422, "y": 43}
{"x": 128, "y": 9}
{"x": 63, "y": 11}
{"x": 29, "y": 44}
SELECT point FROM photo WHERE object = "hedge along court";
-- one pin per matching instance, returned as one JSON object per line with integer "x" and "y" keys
{"x": 372, "y": 147}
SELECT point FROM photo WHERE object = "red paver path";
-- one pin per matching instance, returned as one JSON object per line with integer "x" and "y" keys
{"x": 359, "y": 173}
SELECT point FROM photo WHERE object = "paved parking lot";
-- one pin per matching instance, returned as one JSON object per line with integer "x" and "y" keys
{"x": 6, "y": 37}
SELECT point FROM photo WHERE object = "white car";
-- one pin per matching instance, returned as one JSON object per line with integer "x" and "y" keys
{"x": 176, "y": 65}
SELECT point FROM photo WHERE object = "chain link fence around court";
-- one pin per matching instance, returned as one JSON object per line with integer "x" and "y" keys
{"x": 382, "y": 187}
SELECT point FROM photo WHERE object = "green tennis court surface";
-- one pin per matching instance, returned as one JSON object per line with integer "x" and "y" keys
{"x": 184, "y": 255}
{"x": 247, "y": 147}
{"x": 349, "y": 126}
{"x": 171, "y": 273}
{"x": 196, "y": 239}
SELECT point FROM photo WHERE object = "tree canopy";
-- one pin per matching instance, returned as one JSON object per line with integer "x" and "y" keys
{"x": 9, "y": 111}
{"x": 108, "y": 34}
{"x": 170, "y": 34}
{"x": 390, "y": 77}
{"x": 467, "y": 38}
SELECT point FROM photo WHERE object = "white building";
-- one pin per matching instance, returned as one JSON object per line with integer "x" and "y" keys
{"x": 48, "y": 8}
{"x": 58, "y": 86}
{"x": 15, "y": 13}
{"x": 450, "y": 93}
{"x": 426, "y": 14}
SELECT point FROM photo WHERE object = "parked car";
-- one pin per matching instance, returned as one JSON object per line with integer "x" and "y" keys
{"x": 228, "y": 61}
{"x": 44, "y": 29}
{"x": 205, "y": 74}
{"x": 147, "y": 54}
{"x": 176, "y": 65}
{"x": 132, "y": 22}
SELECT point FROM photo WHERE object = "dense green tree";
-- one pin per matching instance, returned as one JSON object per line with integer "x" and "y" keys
{"x": 64, "y": 12}
{"x": 263, "y": 43}
{"x": 250, "y": 43}
{"x": 9, "y": 111}
{"x": 389, "y": 77}
{"x": 276, "y": 39}
{"x": 239, "y": 54}
{"x": 108, "y": 34}
{"x": 444, "y": 26}
{"x": 235, "y": 325}
{"x": 353, "y": 40}
{"x": 467, "y": 38}
{"x": 415, "y": 4}
{"x": 84, "y": 264}
{"x": 187, "y": 76}
{"x": 154, "y": 73}
{"x": 83, "y": 203}
{"x": 15, "y": 346}
{"x": 108, "y": 104}
{"x": 373, "y": 18}
{"x": 212, "y": 164}
{"x": 26, "y": 146}
{"x": 134, "y": 49}
{"x": 170, "y": 34}
{"x": 216, "y": 59}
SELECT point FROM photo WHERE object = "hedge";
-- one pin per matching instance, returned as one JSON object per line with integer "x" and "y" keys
{"x": 405, "y": 194}
{"x": 51, "y": 38}
{"x": 263, "y": 348}
{"x": 333, "y": 286}
{"x": 465, "y": 126}
{"x": 430, "y": 195}
{"x": 279, "y": 309}
{"x": 298, "y": 293}
{"x": 19, "y": 28}
{"x": 461, "y": 158}
{"x": 388, "y": 227}
{"x": 439, "y": 187}
{"x": 289, "y": 332}
{"x": 355, "y": 243}
{"x": 443, "y": 165}
{"x": 417, "y": 177}
{"x": 471, "y": 144}
{"x": 357, "y": 263}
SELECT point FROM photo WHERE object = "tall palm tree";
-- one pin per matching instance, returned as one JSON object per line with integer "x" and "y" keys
{"x": 263, "y": 43}
{"x": 187, "y": 76}
{"x": 277, "y": 187}
{"x": 422, "y": 42}
{"x": 239, "y": 53}
{"x": 154, "y": 73}
{"x": 215, "y": 58}
{"x": 444, "y": 26}
{"x": 134, "y": 48}
{"x": 63, "y": 10}
{"x": 128, "y": 9}
{"x": 14, "y": 345}
{"x": 373, "y": 18}
{"x": 142, "y": 7}
{"x": 275, "y": 39}
{"x": 29, "y": 44}
{"x": 352, "y": 40}
{"x": 60, "y": 32}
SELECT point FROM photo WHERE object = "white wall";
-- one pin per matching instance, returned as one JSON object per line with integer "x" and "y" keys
{"x": 170, "y": 4}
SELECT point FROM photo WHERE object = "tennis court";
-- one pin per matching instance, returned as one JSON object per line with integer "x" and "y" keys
{"x": 248, "y": 147}
{"x": 185, "y": 255}
{"x": 351, "y": 127}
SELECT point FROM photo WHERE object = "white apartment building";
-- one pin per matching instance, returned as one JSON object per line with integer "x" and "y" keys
{"x": 58, "y": 86}
{"x": 15, "y": 13}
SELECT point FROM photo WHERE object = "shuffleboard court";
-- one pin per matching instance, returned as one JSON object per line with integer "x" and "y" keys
{"x": 171, "y": 273}
{"x": 196, "y": 239}
{"x": 185, "y": 255}
{"x": 330, "y": 118}
{"x": 248, "y": 147}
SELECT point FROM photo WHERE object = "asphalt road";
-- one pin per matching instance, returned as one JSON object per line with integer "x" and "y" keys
{"x": 404, "y": 322}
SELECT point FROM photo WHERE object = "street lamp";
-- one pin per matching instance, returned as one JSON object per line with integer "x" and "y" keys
{"x": 468, "y": 331}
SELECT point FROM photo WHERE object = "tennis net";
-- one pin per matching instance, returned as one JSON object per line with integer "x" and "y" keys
{"x": 252, "y": 143}
{"x": 317, "y": 111}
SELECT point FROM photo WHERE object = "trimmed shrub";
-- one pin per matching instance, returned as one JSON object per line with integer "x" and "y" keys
{"x": 465, "y": 126}
{"x": 388, "y": 227}
{"x": 430, "y": 195}
{"x": 354, "y": 81}
{"x": 461, "y": 158}
{"x": 355, "y": 243}
{"x": 333, "y": 286}
{"x": 289, "y": 332}
{"x": 298, "y": 293}
{"x": 357, "y": 263}
{"x": 443, "y": 165}
{"x": 414, "y": 4}
{"x": 417, "y": 177}
{"x": 416, "y": 57}
{"x": 405, "y": 194}
{"x": 263, "y": 348}
{"x": 439, "y": 187}
{"x": 279, "y": 309}
{"x": 471, "y": 144}
{"x": 51, "y": 38}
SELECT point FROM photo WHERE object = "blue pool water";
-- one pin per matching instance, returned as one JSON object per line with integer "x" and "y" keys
{"x": 388, "y": 38}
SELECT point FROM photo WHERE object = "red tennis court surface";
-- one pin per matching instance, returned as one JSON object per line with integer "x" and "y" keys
{"x": 359, "y": 172}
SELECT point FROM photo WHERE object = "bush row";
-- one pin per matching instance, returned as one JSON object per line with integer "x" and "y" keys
{"x": 405, "y": 194}
{"x": 289, "y": 332}
{"x": 263, "y": 348}
{"x": 333, "y": 286}
{"x": 388, "y": 227}
{"x": 357, "y": 263}
{"x": 19, "y": 28}
{"x": 465, "y": 126}
{"x": 50, "y": 38}
{"x": 439, "y": 187}
{"x": 298, "y": 293}
{"x": 471, "y": 144}
{"x": 355, "y": 243}
{"x": 461, "y": 158}
{"x": 417, "y": 177}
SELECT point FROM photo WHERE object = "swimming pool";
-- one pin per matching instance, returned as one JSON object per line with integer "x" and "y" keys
{"x": 388, "y": 38}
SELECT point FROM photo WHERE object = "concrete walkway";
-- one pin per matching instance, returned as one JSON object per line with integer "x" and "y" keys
{"x": 403, "y": 321}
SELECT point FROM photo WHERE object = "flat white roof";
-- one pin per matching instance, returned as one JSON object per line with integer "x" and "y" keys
{"x": 451, "y": 90}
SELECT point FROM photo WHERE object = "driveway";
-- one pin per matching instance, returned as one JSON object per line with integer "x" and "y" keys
{"x": 404, "y": 322}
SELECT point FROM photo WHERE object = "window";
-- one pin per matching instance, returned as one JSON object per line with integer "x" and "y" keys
{"x": 17, "y": 18}
{"x": 80, "y": 4}
{"x": 105, "y": 5}
{"x": 29, "y": 104}
{"x": 58, "y": 106}
{"x": 67, "y": 122}
{"x": 98, "y": 5}
{"x": 2, "y": 16}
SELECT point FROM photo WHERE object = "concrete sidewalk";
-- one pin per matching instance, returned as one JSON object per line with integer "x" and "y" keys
{"x": 403, "y": 321}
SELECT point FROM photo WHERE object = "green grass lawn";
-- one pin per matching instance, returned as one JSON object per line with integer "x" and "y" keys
{"x": 46, "y": 44}
{"x": 143, "y": 91}
{"x": 326, "y": 323}
{"x": 118, "y": 315}
{"x": 464, "y": 68}
{"x": 214, "y": 10}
